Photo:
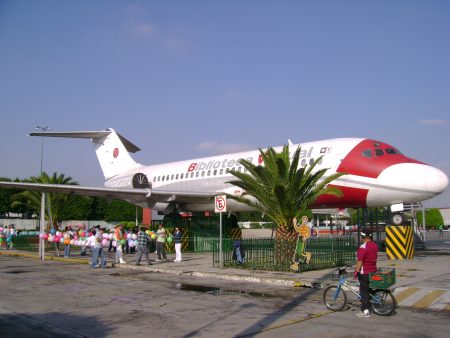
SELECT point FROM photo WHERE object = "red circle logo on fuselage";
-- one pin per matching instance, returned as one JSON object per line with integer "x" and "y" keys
{"x": 116, "y": 152}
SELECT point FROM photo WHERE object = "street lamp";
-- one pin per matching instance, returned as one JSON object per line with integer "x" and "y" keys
{"x": 42, "y": 221}
{"x": 47, "y": 128}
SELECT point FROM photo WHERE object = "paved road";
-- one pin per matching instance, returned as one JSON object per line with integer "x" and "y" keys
{"x": 58, "y": 299}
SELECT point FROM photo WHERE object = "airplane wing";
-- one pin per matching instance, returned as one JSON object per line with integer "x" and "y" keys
{"x": 143, "y": 197}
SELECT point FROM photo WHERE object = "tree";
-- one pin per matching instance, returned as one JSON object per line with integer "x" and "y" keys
{"x": 121, "y": 210}
{"x": 281, "y": 190}
{"x": 54, "y": 202}
{"x": 79, "y": 208}
{"x": 5, "y": 197}
{"x": 433, "y": 218}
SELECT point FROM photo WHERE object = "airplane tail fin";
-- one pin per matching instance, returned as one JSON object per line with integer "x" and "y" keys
{"x": 112, "y": 149}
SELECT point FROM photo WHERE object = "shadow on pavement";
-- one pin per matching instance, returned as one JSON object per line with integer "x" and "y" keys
{"x": 279, "y": 313}
{"x": 53, "y": 324}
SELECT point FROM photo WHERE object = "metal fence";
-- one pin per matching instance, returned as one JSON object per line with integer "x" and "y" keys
{"x": 260, "y": 253}
{"x": 269, "y": 254}
{"x": 31, "y": 243}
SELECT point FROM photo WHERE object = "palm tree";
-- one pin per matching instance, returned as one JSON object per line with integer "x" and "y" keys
{"x": 55, "y": 202}
{"x": 282, "y": 191}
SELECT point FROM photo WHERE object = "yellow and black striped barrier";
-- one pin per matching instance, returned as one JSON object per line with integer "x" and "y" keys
{"x": 399, "y": 242}
{"x": 236, "y": 233}
{"x": 185, "y": 241}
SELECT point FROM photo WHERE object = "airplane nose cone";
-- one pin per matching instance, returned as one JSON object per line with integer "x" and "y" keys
{"x": 437, "y": 180}
{"x": 420, "y": 181}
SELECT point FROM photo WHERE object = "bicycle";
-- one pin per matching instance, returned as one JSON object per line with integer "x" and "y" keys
{"x": 382, "y": 300}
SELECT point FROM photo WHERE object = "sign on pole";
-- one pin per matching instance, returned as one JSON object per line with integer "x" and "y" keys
{"x": 220, "y": 203}
{"x": 220, "y": 206}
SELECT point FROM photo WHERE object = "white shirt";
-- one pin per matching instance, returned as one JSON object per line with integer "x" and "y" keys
{"x": 92, "y": 242}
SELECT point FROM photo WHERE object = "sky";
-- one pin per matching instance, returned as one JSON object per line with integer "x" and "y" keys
{"x": 187, "y": 79}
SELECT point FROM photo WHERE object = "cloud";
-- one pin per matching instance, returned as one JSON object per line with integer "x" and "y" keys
{"x": 143, "y": 29}
{"x": 222, "y": 148}
{"x": 432, "y": 122}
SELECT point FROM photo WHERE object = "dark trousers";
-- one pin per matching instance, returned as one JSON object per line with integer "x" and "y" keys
{"x": 161, "y": 249}
{"x": 111, "y": 246}
{"x": 364, "y": 290}
{"x": 142, "y": 251}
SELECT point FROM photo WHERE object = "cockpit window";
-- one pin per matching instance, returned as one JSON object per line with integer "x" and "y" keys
{"x": 367, "y": 153}
{"x": 391, "y": 151}
{"x": 379, "y": 152}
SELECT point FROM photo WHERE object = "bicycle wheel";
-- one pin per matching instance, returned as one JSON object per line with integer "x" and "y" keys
{"x": 334, "y": 298}
{"x": 383, "y": 302}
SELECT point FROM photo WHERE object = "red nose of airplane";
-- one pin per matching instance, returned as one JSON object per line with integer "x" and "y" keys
{"x": 407, "y": 183}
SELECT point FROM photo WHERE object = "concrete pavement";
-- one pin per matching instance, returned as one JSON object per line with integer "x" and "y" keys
{"x": 422, "y": 282}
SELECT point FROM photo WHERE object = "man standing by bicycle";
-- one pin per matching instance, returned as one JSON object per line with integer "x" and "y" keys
{"x": 367, "y": 255}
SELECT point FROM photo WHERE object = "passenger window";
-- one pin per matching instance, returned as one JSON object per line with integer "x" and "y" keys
{"x": 215, "y": 172}
{"x": 154, "y": 179}
{"x": 367, "y": 153}
{"x": 303, "y": 162}
{"x": 171, "y": 177}
{"x": 159, "y": 178}
{"x": 197, "y": 173}
{"x": 203, "y": 173}
{"x": 311, "y": 161}
{"x": 176, "y": 177}
{"x": 379, "y": 152}
{"x": 192, "y": 174}
{"x": 239, "y": 169}
{"x": 221, "y": 172}
{"x": 320, "y": 161}
{"x": 209, "y": 172}
{"x": 163, "y": 178}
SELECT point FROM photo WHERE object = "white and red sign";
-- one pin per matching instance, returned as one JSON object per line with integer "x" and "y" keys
{"x": 220, "y": 203}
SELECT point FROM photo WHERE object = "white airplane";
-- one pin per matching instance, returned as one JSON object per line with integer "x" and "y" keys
{"x": 377, "y": 175}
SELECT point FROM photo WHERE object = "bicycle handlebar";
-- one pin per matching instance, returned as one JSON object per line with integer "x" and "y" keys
{"x": 342, "y": 271}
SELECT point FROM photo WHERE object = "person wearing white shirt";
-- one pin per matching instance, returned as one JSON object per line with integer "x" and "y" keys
{"x": 95, "y": 246}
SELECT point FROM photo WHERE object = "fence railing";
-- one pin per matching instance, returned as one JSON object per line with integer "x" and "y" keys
{"x": 269, "y": 254}
{"x": 259, "y": 253}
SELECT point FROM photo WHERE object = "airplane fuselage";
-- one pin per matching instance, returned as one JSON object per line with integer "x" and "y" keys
{"x": 377, "y": 174}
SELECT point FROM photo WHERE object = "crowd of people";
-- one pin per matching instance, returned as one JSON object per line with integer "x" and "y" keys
{"x": 119, "y": 240}
{"x": 7, "y": 235}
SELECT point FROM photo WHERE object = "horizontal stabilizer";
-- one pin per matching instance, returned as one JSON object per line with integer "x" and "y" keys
{"x": 111, "y": 148}
{"x": 94, "y": 135}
